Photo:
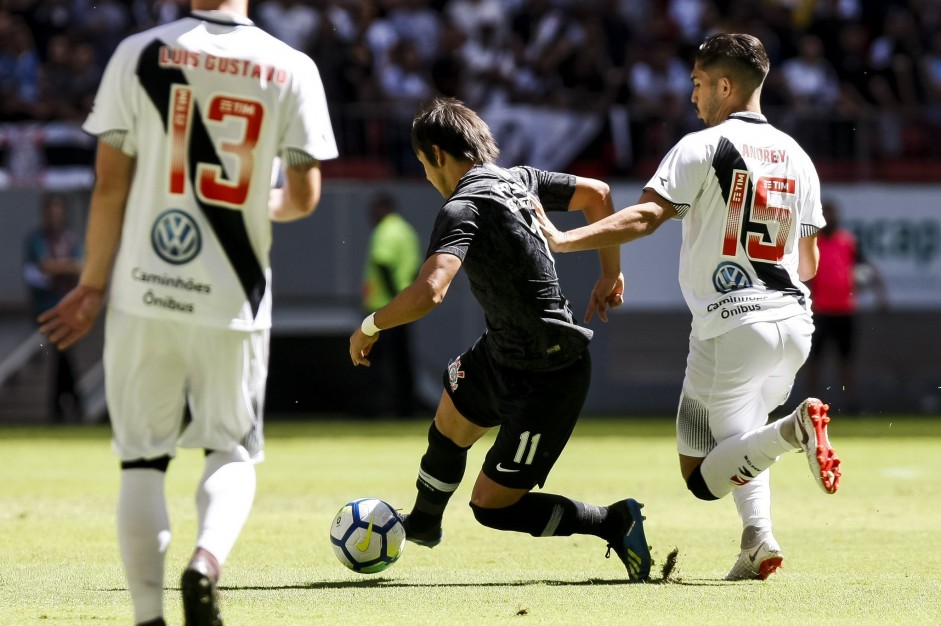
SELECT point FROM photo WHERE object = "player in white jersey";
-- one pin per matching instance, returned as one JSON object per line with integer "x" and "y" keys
{"x": 192, "y": 119}
{"x": 749, "y": 200}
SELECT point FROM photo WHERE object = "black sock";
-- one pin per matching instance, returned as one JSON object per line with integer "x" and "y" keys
{"x": 440, "y": 473}
{"x": 550, "y": 515}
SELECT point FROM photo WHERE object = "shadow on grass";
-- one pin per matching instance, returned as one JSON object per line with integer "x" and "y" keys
{"x": 591, "y": 582}
{"x": 390, "y": 583}
{"x": 380, "y": 583}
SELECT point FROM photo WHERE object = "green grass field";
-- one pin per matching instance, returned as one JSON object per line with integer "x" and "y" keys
{"x": 867, "y": 555}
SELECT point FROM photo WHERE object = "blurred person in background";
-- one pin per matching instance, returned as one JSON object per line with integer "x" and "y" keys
{"x": 191, "y": 118}
{"x": 473, "y": 15}
{"x": 417, "y": 22}
{"x": 54, "y": 76}
{"x": 292, "y": 21}
{"x": 403, "y": 82}
{"x": 489, "y": 66}
{"x": 659, "y": 86}
{"x": 104, "y": 24}
{"x": 811, "y": 81}
{"x": 19, "y": 70}
{"x": 930, "y": 69}
{"x": 52, "y": 264}
{"x": 843, "y": 271}
{"x": 84, "y": 78}
{"x": 895, "y": 81}
{"x": 812, "y": 89}
{"x": 392, "y": 262}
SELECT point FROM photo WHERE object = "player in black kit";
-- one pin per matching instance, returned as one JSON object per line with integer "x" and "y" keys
{"x": 530, "y": 370}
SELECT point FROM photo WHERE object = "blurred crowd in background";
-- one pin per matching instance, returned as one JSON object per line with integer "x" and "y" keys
{"x": 851, "y": 79}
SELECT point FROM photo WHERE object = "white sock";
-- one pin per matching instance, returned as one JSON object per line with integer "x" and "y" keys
{"x": 143, "y": 537}
{"x": 224, "y": 499}
{"x": 738, "y": 460}
{"x": 789, "y": 429}
{"x": 753, "y": 501}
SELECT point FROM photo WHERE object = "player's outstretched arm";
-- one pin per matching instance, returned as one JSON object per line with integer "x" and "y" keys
{"x": 593, "y": 198}
{"x": 73, "y": 317}
{"x": 410, "y": 304}
{"x": 626, "y": 225}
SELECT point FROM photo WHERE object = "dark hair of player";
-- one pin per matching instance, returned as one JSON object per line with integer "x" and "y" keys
{"x": 456, "y": 129}
{"x": 738, "y": 56}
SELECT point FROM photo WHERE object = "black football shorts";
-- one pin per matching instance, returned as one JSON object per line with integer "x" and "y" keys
{"x": 536, "y": 411}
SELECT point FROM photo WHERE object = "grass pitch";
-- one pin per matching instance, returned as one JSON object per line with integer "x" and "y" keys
{"x": 867, "y": 555}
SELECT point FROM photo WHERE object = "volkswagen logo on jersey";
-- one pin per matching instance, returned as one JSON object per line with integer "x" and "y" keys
{"x": 730, "y": 277}
{"x": 175, "y": 237}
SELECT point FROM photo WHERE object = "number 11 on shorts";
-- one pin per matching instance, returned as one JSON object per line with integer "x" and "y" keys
{"x": 527, "y": 442}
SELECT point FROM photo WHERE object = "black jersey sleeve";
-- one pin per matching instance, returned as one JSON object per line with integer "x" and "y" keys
{"x": 454, "y": 230}
{"x": 554, "y": 189}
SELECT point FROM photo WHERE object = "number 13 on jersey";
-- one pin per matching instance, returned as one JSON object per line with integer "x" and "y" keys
{"x": 211, "y": 184}
{"x": 766, "y": 226}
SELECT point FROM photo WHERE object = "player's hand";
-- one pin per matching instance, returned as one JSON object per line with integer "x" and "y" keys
{"x": 360, "y": 346}
{"x": 553, "y": 235}
{"x": 73, "y": 317}
{"x": 608, "y": 292}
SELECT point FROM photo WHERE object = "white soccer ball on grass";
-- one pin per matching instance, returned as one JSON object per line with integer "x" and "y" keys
{"x": 367, "y": 535}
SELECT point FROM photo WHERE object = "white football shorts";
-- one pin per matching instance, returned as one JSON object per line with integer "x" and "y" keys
{"x": 735, "y": 380}
{"x": 153, "y": 368}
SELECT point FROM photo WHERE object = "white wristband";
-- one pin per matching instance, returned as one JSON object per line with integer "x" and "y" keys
{"x": 368, "y": 326}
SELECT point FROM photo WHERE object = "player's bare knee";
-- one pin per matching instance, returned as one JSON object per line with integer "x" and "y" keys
{"x": 485, "y": 501}
{"x": 491, "y": 518}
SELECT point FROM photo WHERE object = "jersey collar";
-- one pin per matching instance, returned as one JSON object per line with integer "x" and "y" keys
{"x": 752, "y": 117}
{"x": 222, "y": 17}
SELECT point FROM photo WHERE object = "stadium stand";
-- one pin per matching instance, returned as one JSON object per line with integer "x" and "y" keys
{"x": 596, "y": 87}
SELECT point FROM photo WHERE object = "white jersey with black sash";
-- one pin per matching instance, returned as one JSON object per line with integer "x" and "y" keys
{"x": 746, "y": 192}
{"x": 205, "y": 104}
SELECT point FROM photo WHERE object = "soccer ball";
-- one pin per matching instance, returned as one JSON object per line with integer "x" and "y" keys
{"x": 367, "y": 535}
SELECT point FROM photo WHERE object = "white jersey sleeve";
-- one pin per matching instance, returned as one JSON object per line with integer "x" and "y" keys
{"x": 116, "y": 113}
{"x": 811, "y": 206}
{"x": 746, "y": 192}
{"x": 681, "y": 174}
{"x": 310, "y": 131}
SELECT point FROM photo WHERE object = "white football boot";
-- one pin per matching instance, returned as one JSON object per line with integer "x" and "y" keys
{"x": 810, "y": 425}
{"x": 760, "y": 556}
